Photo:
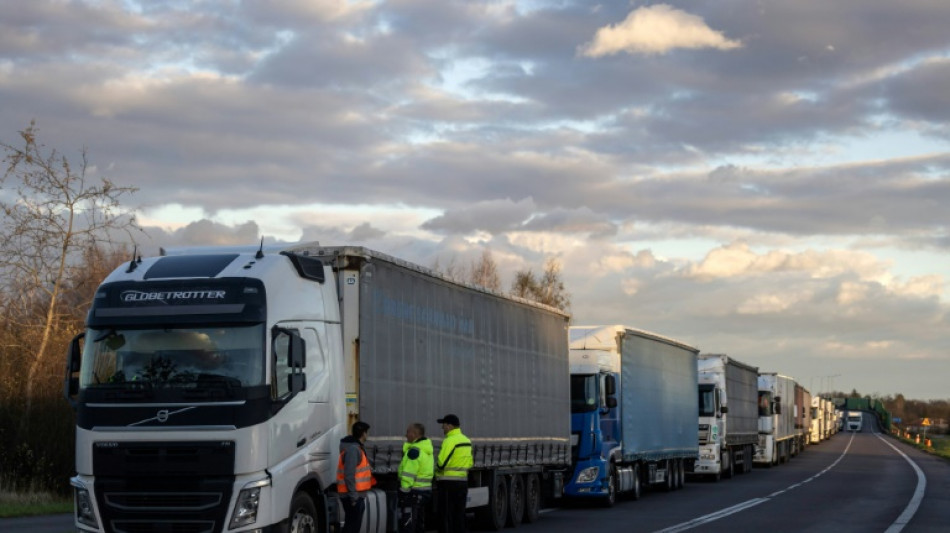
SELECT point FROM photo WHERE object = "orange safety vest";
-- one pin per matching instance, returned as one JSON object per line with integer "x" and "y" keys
{"x": 364, "y": 474}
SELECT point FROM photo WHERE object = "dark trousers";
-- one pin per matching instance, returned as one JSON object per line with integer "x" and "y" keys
{"x": 352, "y": 514}
{"x": 412, "y": 510}
{"x": 451, "y": 505}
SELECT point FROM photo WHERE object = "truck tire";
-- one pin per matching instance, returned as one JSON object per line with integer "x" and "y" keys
{"x": 613, "y": 482}
{"x": 493, "y": 515}
{"x": 668, "y": 483}
{"x": 637, "y": 489}
{"x": 515, "y": 500}
{"x": 750, "y": 455}
{"x": 682, "y": 471}
{"x": 532, "y": 498}
{"x": 729, "y": 470}
{"x": 303, "y": 514}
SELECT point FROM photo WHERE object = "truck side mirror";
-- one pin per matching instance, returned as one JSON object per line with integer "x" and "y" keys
{"x": 73, "y": 365}
{"x": 296, "y": 352}
{"x": 610, "y": 385}
{"x": 724, "y": 409}
{"x": 778, "y": 405}
{"x": 611, "y": 402}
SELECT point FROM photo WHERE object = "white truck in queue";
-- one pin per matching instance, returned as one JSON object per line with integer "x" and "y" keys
{"x": 212, "y": 388}
{"x": 778, "y": 439}
{"x": 728, "y": 416}
{"x": 854, "y": 420}
{"x": 819, "y": 420}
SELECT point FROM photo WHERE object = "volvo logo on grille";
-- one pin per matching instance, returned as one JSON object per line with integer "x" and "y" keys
{"x": 162, "y": 416}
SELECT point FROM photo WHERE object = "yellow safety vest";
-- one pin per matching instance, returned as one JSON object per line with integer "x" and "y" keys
{"x": 455, "y": 457}
{"x": 415, "y": 469}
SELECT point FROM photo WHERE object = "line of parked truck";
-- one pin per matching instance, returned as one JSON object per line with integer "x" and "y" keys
{"x": 212, "y": 387}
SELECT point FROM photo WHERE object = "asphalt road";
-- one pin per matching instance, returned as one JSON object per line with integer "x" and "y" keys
{"x": 854, "y": 482}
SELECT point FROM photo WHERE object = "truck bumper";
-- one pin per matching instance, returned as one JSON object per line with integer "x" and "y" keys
{"x": 708, "y": 462}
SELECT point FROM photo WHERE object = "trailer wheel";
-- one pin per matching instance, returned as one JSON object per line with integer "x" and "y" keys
{"x": 750, "y": 454}
{"x": 532, "y": 498}
{"x": 668, "y": 483}
{"x": 729, "y": 470}
{"x": 635, "y": 492}
{"x": 681, "y": 473}
{"x": 515, "y": 500}
{"x": 493, "y": 516}
{"x": 303, "y": 514}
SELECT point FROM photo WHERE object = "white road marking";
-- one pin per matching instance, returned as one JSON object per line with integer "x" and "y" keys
{"x": 714, "y": 516}
{"x": 915, "y": 500}
{"x": 705, "y": 519}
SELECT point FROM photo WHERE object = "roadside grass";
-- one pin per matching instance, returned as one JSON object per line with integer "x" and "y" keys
{"x": 940, "y": 445}
{"x": 17, "y": 504}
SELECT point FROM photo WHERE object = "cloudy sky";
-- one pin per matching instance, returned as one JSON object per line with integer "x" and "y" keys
{"x": 762, "y": 178}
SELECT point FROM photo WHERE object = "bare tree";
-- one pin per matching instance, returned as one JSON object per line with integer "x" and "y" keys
{"x": 484, "y": 272}
{"x": 548, "y": 289}
{"x": 52, "y": 212}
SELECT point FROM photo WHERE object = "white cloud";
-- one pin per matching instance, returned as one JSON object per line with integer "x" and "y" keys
{"x": 738, "y": 260}
{"x": 772, "y": 302}
{"x": 656, "y": 29}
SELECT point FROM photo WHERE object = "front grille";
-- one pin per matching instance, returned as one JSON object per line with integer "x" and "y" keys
{"x": 152, "y": 501}
{"x": 162, "y": 526}
{"x": 703, "y": 433}
{"x": 164, "y": 487}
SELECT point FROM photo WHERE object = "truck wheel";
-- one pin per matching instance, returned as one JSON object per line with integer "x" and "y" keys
{"x": 493, "y": 516}
{"x": 682, "y": 473}
{"x": 515, "y": 500}
{"x": 729, "y": 470}
{"x": 532, "y": 498}
{"x": 637, "y": 488}
{"x": 303, "y": 514}
{"x": 612, "y": 482}
{"x": 750, "y": 454}
{"x": 668, "y": 478}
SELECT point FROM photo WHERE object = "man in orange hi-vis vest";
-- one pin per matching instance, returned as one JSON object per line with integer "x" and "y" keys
{"x": 354, "y": 476}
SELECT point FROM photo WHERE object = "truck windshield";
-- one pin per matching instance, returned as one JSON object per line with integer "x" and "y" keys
{"x": 765, "y": 403}
{"x": 707, "y": 400}
{"x": 584, "y": 393}
{"x": 173, "y": 358}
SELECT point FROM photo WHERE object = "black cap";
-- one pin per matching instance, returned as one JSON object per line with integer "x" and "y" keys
{"x": 449, "y": 419}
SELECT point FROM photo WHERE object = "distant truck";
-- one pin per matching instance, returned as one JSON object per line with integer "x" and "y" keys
{"x": 728, "y": 416}
{"x": 633, "y": 412}
{"x": 212, "y": 387}
{"x": 802, "y": 417}
{"x": 819, "y": 420}
{"x": 855, "y": 420}
{"x": 777, "y": 434}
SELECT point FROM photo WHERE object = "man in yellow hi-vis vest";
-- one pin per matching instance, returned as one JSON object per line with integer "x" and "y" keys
{"x": 451, "y": 475}
{"x": 354, "y": 476}
{"x": 415, "y": 479}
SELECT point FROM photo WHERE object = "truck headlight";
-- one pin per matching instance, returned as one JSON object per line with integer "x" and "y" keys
{"x": 588, "y": 474}
{"x": 245, "y": 509}
{"x": 85, "y": 512}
